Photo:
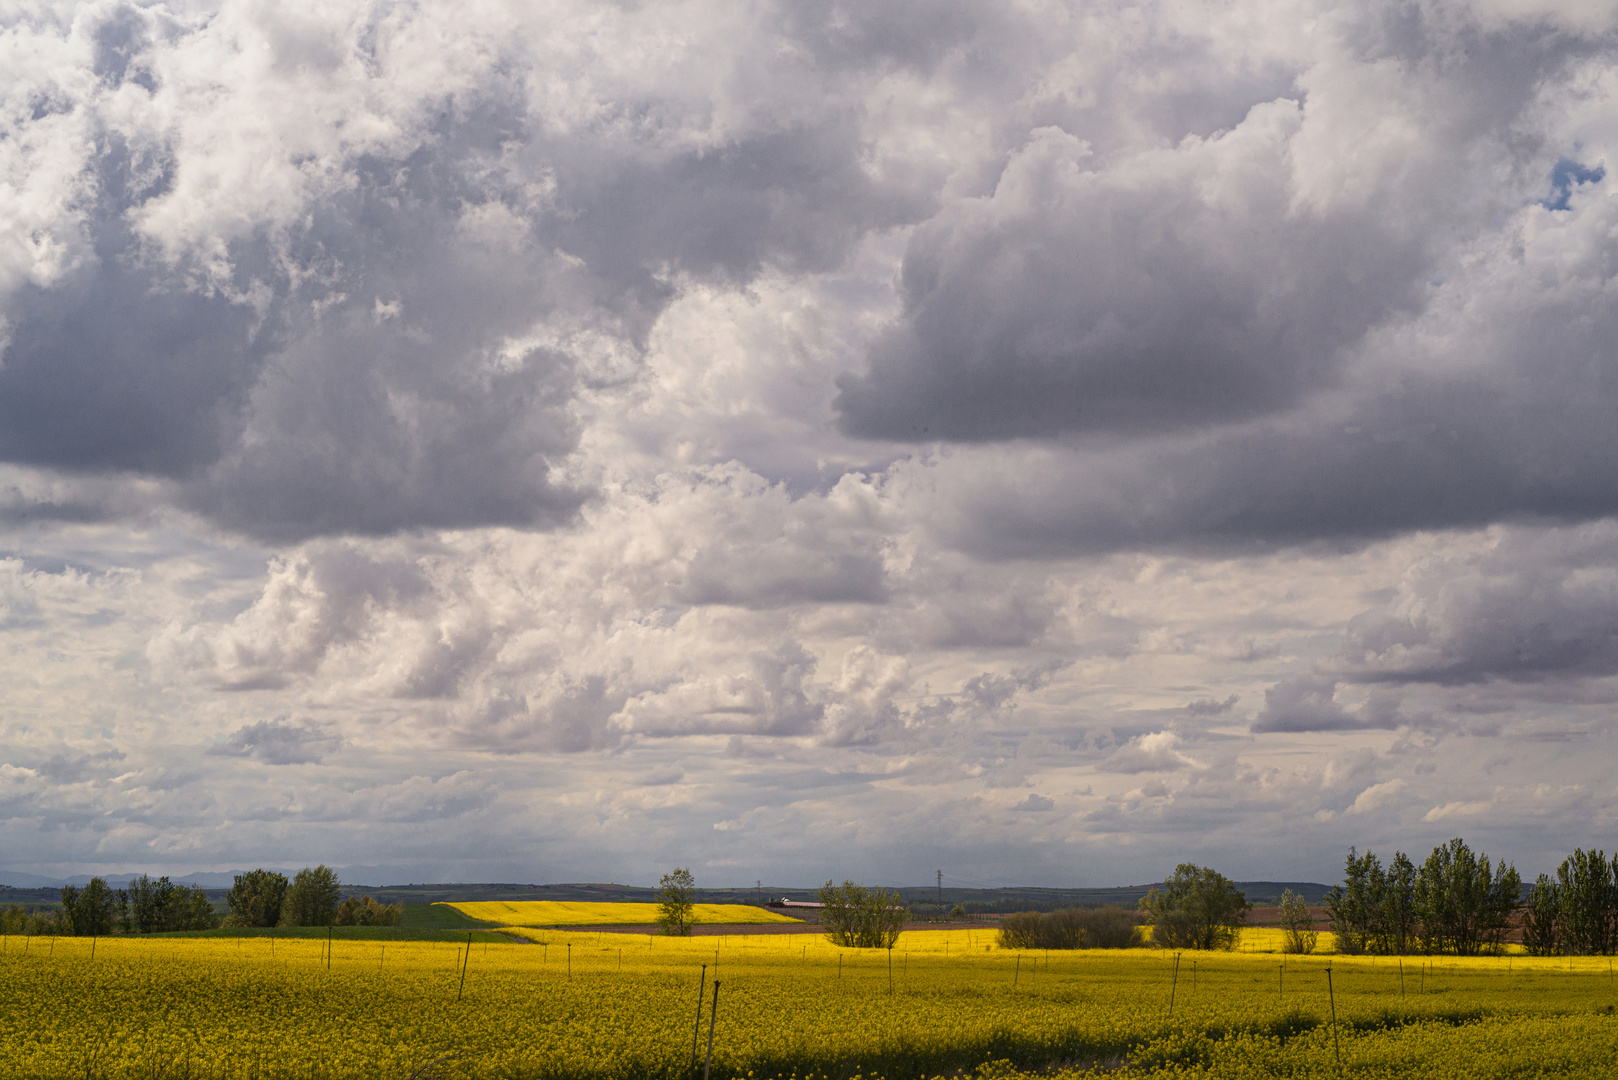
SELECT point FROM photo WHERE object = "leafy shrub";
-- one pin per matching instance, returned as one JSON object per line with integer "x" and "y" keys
{"x": 365, "y": 911}
{"x": 1072, "y": 928}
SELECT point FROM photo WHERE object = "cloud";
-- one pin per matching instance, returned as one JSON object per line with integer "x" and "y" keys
{"x": 1308, "y": 703}
{"x": 1036, "y": 804}
{"x": 1457, "y": 810}
{"x": 1376, "y": 797}
{"x": 1523, "y": 607}
{"x": 1156, "y": 752}
{"x": 277, "y": 742}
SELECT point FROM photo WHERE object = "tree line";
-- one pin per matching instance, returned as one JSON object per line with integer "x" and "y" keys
{"x": 1458, "y": 902}
{"x": 258, "y": 898}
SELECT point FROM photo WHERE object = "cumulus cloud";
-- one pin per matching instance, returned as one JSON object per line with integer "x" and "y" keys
{"x": 1309, "y": 703}
{"x": 587, "y": 424}
{"x": 1157, "y": 752}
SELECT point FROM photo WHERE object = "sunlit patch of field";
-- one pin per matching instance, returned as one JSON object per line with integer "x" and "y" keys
{"x": 616, "y": 1007}
{"x": 582, "y": 913}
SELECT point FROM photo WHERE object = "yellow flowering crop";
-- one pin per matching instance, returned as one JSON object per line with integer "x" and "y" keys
{"x": 623, "y": 1006}
{"x": 580, "y": 913}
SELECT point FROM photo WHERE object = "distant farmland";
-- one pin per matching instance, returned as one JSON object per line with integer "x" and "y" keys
{"x": 585, "y": 913}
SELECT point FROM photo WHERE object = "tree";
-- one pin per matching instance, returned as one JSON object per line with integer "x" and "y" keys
{"x": 1197, "y": 908}
{"x": 255, "y": 898}
{"x": 1589, "y": 903}
{"x": 161, "y": 906}
{"x": 859, "y": 918}
{"x": 312, "y": 898}
{"x": 1354, "y": 908}
{"x": 1464, "y": 905}
{"x": 1298, "y": 924}
{"x": 1542, "y": 916}
{"x": 1399, "y": 906}
{"x": 365, "y": 911}
{"x": 676, "y": 902}
{"x": 89, "y": 911}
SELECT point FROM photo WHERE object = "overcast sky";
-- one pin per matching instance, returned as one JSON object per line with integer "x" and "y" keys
{"x": 1042, "y": 442}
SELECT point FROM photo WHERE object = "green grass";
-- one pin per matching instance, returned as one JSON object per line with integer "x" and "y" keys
{"x": 438, "y": 917}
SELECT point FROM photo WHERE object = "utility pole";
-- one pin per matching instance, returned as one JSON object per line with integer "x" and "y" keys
{"x": 941, "y": 888}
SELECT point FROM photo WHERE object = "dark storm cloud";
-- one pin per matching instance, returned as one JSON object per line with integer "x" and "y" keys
{"x": 1206, "y": 283}
{"x": 1522, "y": 430}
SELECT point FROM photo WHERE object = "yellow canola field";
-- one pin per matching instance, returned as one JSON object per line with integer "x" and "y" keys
{"x": 580, "y": 913}
{"x": 622, "y": 1007}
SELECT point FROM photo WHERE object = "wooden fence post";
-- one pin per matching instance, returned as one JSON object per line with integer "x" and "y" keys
{"x": 696, "y": 1032}
{"x": 713, "y": 1014}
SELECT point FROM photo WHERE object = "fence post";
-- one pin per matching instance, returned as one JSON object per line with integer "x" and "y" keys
{"x": 713, "y": 1014}
{"x": 1401, "y": 979}
{"x": 696, "y": 1032}
{"x": 465, "y": 963}
{"x": 1173, "y": 984}
{"x": 1337, "y": 1049}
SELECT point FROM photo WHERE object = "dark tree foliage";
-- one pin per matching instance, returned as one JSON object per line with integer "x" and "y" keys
{"x": 160, "y": 906}
{"x": 312, "y": 898}
{"x": 90, "y": 911}
{"x": 1197, "y": 908}
{"x": 1464, "y": 906}
{"x": 256, "y": 897}
{"x": 1072, "y": 928}
{"x": 1587, "y": 885}
{"x": 1541, "y": 919}
{"x": 860, "y": 918}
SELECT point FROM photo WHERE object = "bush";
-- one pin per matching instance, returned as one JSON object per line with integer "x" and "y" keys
{"x": 860, "y": 918}
{"x": 1111, "y": 927}
{"x": 365, "y": 911}
{"x": 1071, "y": 928}
{"x": 312, "y": 898}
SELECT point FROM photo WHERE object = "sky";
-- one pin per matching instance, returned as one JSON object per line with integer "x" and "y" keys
{"x": 1039, "y": 442}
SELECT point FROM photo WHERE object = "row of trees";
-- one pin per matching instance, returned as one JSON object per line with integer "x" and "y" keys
{"x": 1456, "y": 901}
{"x": 145, "y": 906}
{"x": 313, "y": 897}
{"x": 1576, "y": 912}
